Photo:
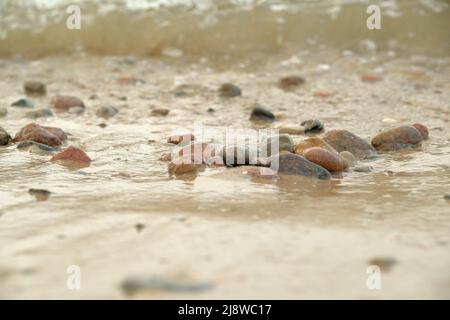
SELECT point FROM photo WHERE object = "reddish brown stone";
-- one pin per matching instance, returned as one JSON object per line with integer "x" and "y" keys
{"x": 324, "y": 158}
{"x": 397, "y": 138}
{"x": 65, "y": 103}
{"x": 291, "y": 82}
{"x": 50, "y": 136}
{"x": 72, "y": 154}
{"x": 182, "y": 139}
{"x": 308, "y": 143}
{"x": 422, "y": 129}
{"x": 183, "y": 165}
{"x": 370, "y": 78}
{"x": 321, "y": 94}
{"x": 343, "y": 140}
{"x": 203, "y": 152}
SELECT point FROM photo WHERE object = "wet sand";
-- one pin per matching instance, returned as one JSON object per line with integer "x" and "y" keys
{"x": 289, "y": 238}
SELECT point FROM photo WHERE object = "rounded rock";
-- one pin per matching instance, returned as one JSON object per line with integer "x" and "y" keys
{"x": 229, "y": 90}
{"x": 422, "y": 129}
{"x": 5, "y": 138}
{"x": 73, "y": 155}
{"x": 65, "y": 103}
{"x": 311, "y": 142}
{"x": 260, "y": 113}
{"x": 324, "y": 158}
{"x": 50, "y": 136}
{"x": 343, "y": 140}
{"x": 292, "y": 164}
{"x": 397, "y": 138}
{"x": 34, "y": 88}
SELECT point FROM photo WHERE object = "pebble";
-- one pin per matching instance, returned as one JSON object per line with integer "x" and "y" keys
{"x": 294, "y": 130}
{"x": 260, "y": 172}
{"x": 129, "y": 80}
{"x": 312, "y": 142}
{"x": 343, "y": 140}
{"x": 326, "y": 159}
{"x": 202, "y": 152}
{"x": 321, "y": 94}
{"x": 40, "y": 194}
{"x": 23, "y": 103}
{"x": 292, "y": 164}
{"x": 284, "y": 141}
{"x": 229, "y": 90}
{"x": 370, "y": 78}
{"x": 260, "y": 113}
{"x": 363, "y": 168}
{"x": 72, "y": 155}
{"x": 447, "y": 196}
{"x": 40, "y": 113}
{"x": 291, "y": 82}
{"x": 183, "y": 165}
{"x": 189, "y": 90}
{"x": 312, "y": 126}
{"x": 34, "y": 88}
{"x": 160, "y": 112}
{"x": 422, "y": 129}
{"x": 136, "y": 284}
{"x": 106, "y": 112}
{"x": 349, "y": 158}
{"x": 238, "y": 155}
{"x": 384, "y": 263}
{"x": 3, "y": 112}
{"x": 397, "y": 138}
{"x": 183, "y": 139}
{"x": 65, "y": 103}
{"x": 36, "y": 147}
{"x": 5, "y": 138}
{"x": 50, "y": 136}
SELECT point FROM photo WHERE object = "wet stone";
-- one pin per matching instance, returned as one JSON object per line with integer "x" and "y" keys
{"x": 40, "y": 113}
{"x": 349, "y": 158}
{"x": 311, "y": 142}
{"x": 36, "y": 147}
{"x": 239, "y": 155}
{"x": 106, "y": 112}
{"x": 398, "y": 138}
{"x": 40, "y": 194}
{"x": 291, "y": 82}
{"x": 284, "y": 141}
{"x": 72, "y": 156}
{"x": 138, "y": 284}
{"x": 160, "y": 112}
{"x": 292, "y": 164}
{"x": 50, "y": 136}
{"x": 312, "y": 126}
{"x": 66, "y": 103}
{"x": 326, "y": 159}
{"x": 343, "y": 140}
{"x": 447, "y": 196}
{"x": 422, "y": 129}
{"x": 184, "y": 165}
{"x": 260, "y": 113}
{"x": 183, "y": 138}
{"x": 3, "y": 112}
{"x": 363, "y": 168}
{"x": 5, "y": 138}
{"x": 23, "y": 103}
{"x": 384, "y": 263}
{"x": 229, "y": 90}
{"x": 35, "y": 88}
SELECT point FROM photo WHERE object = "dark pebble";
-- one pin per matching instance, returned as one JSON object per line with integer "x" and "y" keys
{"x": 160, "y": 112}
{"x": 292, "y": 164}
{"x": 106, "y": 112}
{"x": 384, "y": 263}
{"x": 41, "y": 113}
{"x": 40, "y": 194}
{"x": 312, "y": 126}
{"x": 32, "y": 145}
{"x": 3, "y": 112}
{"x": 291, "y": 82}
{"x": 23, "y": 103}
{"x": 35, "y": 88}
{"x": 229, "y": 90}
{"x": 136, "y": 284}
{"x": 5, "y": 138}
{"x": 211, "y": 110}
{"x": 260, "y": 113}
{"x": 447, "y": 197}
{"x": 139, "y": 227}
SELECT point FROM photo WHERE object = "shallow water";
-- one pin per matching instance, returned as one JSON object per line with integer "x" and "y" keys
{"x": 249, "y": 237}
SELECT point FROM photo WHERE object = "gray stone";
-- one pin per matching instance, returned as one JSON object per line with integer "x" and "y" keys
{"x": 23, "y": 103}
{"x": 5, "y": 138}
{"x": 41, "y": 113}
{"x": 292, "y": 164}
{"x": 107, "y": 112}
{"x": 285, "y": 143}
